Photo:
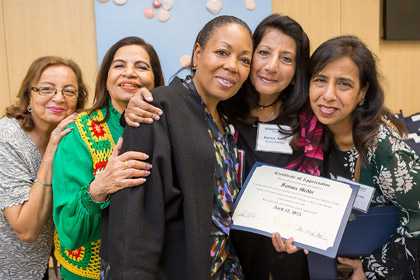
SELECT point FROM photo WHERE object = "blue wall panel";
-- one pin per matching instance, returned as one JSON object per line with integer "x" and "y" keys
{"x": 172, "y": 39}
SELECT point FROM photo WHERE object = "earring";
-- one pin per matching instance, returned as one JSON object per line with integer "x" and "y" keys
{"x": 194, "y": 68}
{"x": 362, "y": 102}
{"x": 293, "y": 83}
{"x": 29, "y": 109}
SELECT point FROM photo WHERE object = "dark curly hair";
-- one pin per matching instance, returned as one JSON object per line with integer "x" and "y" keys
{"x": 295, "y": 94}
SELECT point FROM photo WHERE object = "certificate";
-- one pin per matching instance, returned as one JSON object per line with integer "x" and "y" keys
{"x": 311, "y": 209}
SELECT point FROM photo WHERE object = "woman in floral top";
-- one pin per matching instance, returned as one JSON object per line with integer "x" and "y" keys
{"x": 346, "y": 96}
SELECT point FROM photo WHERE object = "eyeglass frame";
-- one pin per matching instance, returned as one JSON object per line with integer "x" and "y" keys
{"x": 38, "y": 90}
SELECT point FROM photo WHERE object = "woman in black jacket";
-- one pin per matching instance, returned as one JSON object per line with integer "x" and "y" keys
{"x": 177, "y": 225}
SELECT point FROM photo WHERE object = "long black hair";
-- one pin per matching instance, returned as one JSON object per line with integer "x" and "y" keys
{"x": 102, "y": 97}
{"x": 368, "y": 116}
{"x": 295, "y": 94}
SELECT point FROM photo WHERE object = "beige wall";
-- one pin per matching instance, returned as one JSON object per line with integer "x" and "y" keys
{"x": 34, "y": 28}
{"x": 399, "y": 60}
{"x": 69, "y": 30}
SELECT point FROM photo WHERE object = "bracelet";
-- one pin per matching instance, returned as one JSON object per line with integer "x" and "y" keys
{"x": 45, "y": 184}
{"x": 106, "y": 200}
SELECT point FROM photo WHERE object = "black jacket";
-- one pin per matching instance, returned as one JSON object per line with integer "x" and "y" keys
{"x": 161, "y": 229}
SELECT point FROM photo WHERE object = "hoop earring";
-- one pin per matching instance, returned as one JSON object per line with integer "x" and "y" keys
{"x": 29, "y": 109}
{"x": 194, "y": 68}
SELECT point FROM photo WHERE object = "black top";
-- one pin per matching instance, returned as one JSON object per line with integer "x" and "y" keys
{"x": 247, "y": 140}
{"x": 256, "y": 252}
{"x": 341, "y": 163}
{"x": 161, "y": 229}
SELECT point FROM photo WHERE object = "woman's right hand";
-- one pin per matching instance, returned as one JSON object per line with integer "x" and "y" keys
{"x": 57, "y": 134}
{"x": 121, "y": 171}
{"x": 140, "y": 111}
{"x": 287, "y": 246}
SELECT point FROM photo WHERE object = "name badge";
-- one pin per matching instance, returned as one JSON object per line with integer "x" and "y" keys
{"x": 364, "y": 195}
{"x": 270, "y": 139}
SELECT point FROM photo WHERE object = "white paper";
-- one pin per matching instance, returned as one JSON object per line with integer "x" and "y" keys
{"x": 270, "y": 139}
{"x": 308, "y": 208}
{"x": 415, "y": 118}
{"x": 363, "y": 197}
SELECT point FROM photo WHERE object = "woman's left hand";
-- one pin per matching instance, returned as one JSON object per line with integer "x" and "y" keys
{"x": 358, "y": 273}
{"x": 287, "y": 246}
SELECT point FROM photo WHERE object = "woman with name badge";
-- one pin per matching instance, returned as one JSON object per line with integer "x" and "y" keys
{"x": 363, "y": 143}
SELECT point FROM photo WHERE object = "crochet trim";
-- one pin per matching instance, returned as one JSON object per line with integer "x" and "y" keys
{"x": 85, "y": 261}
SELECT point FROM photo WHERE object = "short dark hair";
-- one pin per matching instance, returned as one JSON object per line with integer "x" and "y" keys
{"x": 366, "y": 118}
{"x": 295, "y": 94}
{"x": 20, "y": 109}
{"x": 102, "y": 97}
{"x": 206, "y": 32}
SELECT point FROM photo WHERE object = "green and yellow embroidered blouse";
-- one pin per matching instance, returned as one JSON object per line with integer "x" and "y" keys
{"x": 78, "y": 159}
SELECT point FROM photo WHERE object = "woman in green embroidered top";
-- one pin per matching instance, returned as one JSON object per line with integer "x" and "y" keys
{"x": 92, "y": 149}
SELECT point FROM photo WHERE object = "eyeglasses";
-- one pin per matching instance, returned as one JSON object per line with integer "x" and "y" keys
{"x": 51, "y": 91}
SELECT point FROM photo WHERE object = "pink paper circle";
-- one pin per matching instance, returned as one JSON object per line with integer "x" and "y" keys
{"x": 157, "y": 4}
{"x": 149, "y": 13}
{"x": 163, "y": 15}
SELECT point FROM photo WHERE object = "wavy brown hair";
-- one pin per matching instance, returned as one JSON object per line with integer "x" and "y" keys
{"x": 19, "y": 110}
{"x": 102, "y": 97}
{"x": 368, "y": 117}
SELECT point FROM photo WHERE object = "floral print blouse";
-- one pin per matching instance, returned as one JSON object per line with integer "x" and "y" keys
{"x": 394, "y": 170}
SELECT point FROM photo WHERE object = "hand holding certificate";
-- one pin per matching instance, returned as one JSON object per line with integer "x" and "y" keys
{"x": 313, "y": 210}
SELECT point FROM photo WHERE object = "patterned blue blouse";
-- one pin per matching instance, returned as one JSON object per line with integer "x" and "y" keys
{"x": 224, "y": 261}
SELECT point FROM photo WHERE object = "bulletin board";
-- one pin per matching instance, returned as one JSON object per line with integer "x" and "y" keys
{"x": 171, "y": 39}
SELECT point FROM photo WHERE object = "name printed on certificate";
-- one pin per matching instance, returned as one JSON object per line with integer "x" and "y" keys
{"x": 308, "y": 208}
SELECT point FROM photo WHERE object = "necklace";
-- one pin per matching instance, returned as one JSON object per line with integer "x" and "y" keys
{"x": 269, "y": 117}
{"x": 266, "y": 120}
{"x": 266, "y": 106}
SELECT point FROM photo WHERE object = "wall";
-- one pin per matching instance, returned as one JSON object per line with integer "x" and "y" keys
{"x": 171, "y": 39}
{"x": 69, "y": 30}
{"x": 399, "y": 60}
{"x": 33, "y": 28}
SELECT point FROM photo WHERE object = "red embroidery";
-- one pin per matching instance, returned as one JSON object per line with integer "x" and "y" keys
{"x": 99, "y": 167}
{"x": 97, "y": 129}
{"x": 76, "y": 253}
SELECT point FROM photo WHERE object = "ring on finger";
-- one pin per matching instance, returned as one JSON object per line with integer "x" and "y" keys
{"x": 126, "y": 164}
{"x": 57, "y": 130}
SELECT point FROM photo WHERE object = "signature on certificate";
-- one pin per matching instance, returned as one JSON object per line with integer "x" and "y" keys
{"x": 248, "y": 214}
{"x": 311, "y": 233}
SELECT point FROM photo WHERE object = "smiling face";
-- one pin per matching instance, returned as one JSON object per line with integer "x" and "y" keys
{"x": 273, "y": 64}
{"x": 335, "y": 92}
{"x": 130, "y": 70}
{"x": 223, "y": 65}
{"x": 47, "y": 111}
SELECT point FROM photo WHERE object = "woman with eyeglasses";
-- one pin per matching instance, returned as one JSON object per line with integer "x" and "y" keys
{"x": 87, "y": 164}
{"x": 51, "y": 91}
